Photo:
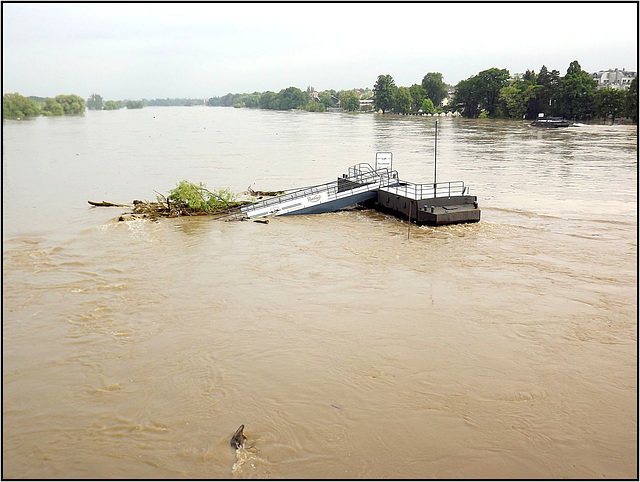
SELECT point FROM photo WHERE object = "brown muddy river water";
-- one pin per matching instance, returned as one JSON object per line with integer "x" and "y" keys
{"x": 502, "y": 349}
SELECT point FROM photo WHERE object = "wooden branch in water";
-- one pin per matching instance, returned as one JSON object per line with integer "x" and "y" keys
{"x": 260, "y": 194}
{"x": 108, "y": 205}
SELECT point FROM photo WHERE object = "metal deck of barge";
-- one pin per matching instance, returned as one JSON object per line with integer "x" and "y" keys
{"x": 433, "y": 205}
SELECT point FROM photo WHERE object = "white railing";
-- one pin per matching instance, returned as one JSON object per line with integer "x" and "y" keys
{"x": 426, "y": 191}
{"x": 363, "y": 175}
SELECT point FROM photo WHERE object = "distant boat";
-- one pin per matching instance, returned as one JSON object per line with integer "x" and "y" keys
{"x": 551, "y": 122}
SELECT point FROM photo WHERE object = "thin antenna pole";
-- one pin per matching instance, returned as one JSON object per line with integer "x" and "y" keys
{"x": 435, "y": 161}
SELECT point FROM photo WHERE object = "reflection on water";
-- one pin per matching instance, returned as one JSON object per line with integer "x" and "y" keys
{"x": 503, "y": 349}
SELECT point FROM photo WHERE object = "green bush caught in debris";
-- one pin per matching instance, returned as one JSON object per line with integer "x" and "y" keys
{"x": 197, "y": 198}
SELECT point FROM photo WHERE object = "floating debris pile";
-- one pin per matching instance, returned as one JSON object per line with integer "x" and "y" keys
{"x": 190, "y": 199}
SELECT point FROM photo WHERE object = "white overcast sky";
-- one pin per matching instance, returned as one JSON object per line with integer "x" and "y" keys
{"x": 158, "y": 50}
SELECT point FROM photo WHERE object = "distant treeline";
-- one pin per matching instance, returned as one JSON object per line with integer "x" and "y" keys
{"x": 175, "y": 102}
{"x": 16, "y": 106}
{"x": 495, "y": 93}
{"x": 290, "y": 98}
{"x": 95, "y": 102}
{"x": 492, "y": 93}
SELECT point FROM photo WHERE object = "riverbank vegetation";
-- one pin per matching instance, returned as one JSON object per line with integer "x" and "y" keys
{"x": 492, "y": 93}
{"x": 16, "y": 106}
{"x": 64, "y": 105}
{"x": 293, "y": 98}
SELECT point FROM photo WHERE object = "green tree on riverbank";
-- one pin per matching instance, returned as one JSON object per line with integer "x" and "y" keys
{"x": 94, "y": 102}
{"x": 349, "y": 100}
{"x": 428, "y": 107}
{"x": 548, "y": 82}
{"x": 63, "y": 105}
{"x": 402, "y": 100}
{"x": 418, "y": 96}
{"x": 292, "y": 98}
{"x": 467, "y": 98}
{"x": 631, "y": 101}
{"x": 575, "y": 93}
{"x": 435, "y": 88}
{"x": 384, "y": 92}
{"x": 15, "y": 106}
{"x": 481, "y": 92}
{"x": 111, "y": 105}
{"x": 518, "y": 99}
{"x": 609, "y": 103}
{"x": 134, "y": 104}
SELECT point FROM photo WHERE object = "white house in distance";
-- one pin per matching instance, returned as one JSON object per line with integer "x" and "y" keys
{"x": 618, "y": 79}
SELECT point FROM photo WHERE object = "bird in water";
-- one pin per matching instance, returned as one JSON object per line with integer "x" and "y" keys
{"x": 237, "y": 441}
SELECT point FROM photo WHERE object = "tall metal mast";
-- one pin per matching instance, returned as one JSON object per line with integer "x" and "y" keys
{"x": 435, "y": 161}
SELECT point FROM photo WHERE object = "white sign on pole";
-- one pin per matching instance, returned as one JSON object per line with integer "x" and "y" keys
{"x": 384, "y": 160}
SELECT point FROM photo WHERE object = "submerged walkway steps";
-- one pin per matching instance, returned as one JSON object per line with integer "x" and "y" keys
{"x": 382, "y": 189}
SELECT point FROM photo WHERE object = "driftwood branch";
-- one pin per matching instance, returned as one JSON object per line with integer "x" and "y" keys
{"x": 160, "y": 194}
{"x": 108, "y": 205}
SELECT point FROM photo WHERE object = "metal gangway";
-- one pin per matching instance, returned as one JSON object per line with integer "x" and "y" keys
{"x": 360, "y": 184}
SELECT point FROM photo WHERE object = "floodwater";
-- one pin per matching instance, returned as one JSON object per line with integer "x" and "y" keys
{"x": 348, "y": 345}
